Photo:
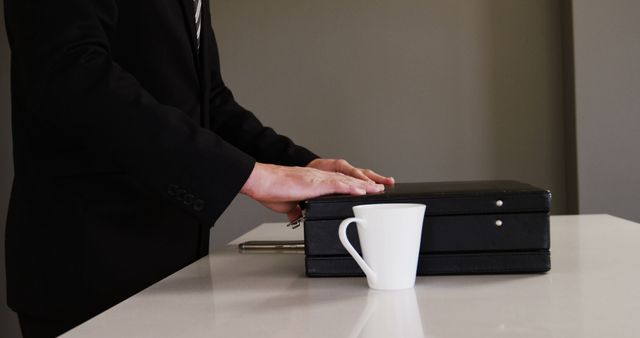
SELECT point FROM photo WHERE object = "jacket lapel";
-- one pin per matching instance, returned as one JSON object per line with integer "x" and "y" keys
{"x": 205, "y": 50}
{"x": 190, "y": 20}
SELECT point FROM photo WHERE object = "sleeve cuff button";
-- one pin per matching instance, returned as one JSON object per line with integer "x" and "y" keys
{"x": 198, "y": 205}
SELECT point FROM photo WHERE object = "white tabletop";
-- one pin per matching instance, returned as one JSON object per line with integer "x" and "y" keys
{"x": 592, "y": 290}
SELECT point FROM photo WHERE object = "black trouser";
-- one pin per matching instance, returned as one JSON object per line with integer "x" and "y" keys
{"x": 36, "y": 327}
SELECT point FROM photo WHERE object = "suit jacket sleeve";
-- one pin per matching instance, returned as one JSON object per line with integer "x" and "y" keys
{"x": 82, "y": 92}
{"x": 242, "y": 129}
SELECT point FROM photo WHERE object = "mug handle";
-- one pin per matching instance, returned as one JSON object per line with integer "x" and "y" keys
{"x": 342, "y": 233}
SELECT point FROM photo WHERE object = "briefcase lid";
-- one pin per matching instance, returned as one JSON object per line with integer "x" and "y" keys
{"x": 441, "y": 198}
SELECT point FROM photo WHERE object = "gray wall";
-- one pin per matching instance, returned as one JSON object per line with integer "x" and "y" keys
{"x": 8, "y": 320}
{"x": 607, "y": 86}
{"x": 421, "y": 90}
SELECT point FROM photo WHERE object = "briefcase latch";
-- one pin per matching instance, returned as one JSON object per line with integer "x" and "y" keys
{"x": 296, "y": 223}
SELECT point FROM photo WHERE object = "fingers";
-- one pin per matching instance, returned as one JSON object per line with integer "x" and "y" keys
{"x": 292, "y": 209}
{"x": 273, "y": 183}
{"x": 368, "y": 175}
{"x": 344, "y": 184}
{"x": 294, "y": 213}
{"x": 339, "y": 166}
{"x": 280, "y": 188}
{"x": 281, "y": 207}
{"x": 344, "y": 167}
{"x": 352, "y": 171}
{"x": 378, "y": 178}
{"x": 341, "y": 187}
{"x": 341, "y": 182}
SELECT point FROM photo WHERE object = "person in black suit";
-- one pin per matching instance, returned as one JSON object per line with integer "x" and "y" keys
{"x": 127, "y": 147}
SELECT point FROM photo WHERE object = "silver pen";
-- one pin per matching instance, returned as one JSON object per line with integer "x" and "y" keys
{"x": 272, "y": 246}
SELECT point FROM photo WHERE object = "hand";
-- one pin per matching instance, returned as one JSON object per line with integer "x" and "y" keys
{"x": 342, "y": 166}
{"x": 280, "y": 188}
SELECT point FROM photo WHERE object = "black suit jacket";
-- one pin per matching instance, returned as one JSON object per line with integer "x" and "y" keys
{"x": 127, "y": 147}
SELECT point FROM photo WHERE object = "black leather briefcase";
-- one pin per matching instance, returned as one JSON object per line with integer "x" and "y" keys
{"x": 470, "y": 227}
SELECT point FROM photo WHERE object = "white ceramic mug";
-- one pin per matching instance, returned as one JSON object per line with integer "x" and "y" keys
{"x": 390, "y": 242}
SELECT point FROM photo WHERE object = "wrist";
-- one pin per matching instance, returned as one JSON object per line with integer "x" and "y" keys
{"x": 251, "y": 186}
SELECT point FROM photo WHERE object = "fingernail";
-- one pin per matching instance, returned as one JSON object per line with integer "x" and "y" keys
{"x": 380, "y": 187}
{"x": 361, "y": 191}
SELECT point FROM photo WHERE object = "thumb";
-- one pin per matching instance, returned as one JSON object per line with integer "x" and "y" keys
{"x": 294, "y": 213}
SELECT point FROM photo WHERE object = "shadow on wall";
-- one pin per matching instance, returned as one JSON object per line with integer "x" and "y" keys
{"x": 527, "y": 122}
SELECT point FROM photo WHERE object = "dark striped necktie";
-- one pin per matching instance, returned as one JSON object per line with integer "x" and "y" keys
{"x": 198, "y": 7}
